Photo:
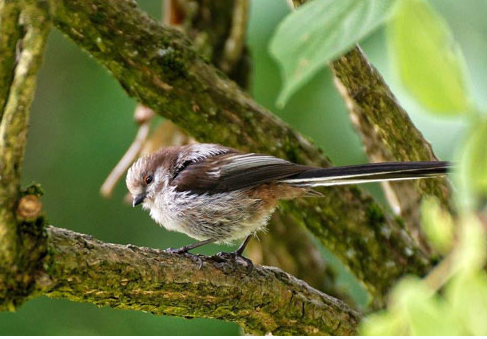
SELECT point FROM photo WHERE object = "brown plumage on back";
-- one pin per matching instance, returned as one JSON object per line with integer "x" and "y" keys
{"x": 233, "y": 171}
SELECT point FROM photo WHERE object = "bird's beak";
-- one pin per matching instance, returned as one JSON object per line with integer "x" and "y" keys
{"x": 138, "y": 200}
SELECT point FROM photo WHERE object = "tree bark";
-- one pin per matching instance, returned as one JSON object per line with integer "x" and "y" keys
{"x": 18, "y": 255}
{"x": 265, "y": 301}
{"x": 10, "y": 33}
{"x": 388, "y": 135}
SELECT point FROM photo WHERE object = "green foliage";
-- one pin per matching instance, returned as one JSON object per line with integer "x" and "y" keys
{"x": 467, "y": 295}
{"x": 473, "y": 164}
{"x": 437, "y": 225}
{"x": 452, "y": 299}
{"x": 429, "y": 62}
{"x": 417, "y": 308}
{"x": 470, "y": 253}
{"x": 319, "y": 31}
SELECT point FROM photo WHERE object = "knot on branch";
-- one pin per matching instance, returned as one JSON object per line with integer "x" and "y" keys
{"x": 29, "y": 208}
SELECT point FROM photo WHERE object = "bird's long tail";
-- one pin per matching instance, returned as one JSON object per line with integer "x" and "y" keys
{"x": 357, "y": 174}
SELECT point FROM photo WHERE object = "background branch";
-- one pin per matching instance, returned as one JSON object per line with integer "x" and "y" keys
{"x": 267, "y": 300}
{"x": 388, "y": 134}
{"x": 158, "y": 66}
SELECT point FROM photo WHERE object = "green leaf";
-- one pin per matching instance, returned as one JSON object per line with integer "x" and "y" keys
{"x": 430, "y": 316}
{"x": 437, "y": 225}
{"x": 472, "y": 176}
{"x": 429, "y": 62}
{"x": 318, "y": 32}
{"x": 384, "y": 323}
{"x": 468, "y": 298}
{"x": 470, "y": 253}
{"x": 414, "y": 309}
{"x": 422, "y": 309}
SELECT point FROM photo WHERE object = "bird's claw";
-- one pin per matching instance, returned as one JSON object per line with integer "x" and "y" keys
{"x": 171, "y": 250}
{"x": 220, "y": 257}
{"x": 234, "y": 256}
{"x": 183, "y": 250}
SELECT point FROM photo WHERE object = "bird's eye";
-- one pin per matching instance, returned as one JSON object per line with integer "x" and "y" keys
{"x": 148, "y": 179}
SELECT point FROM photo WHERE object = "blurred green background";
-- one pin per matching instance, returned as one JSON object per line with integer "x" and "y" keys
{"x": 82, "y": 123}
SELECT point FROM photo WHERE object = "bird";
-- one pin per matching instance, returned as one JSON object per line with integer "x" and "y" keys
{"x": 217, "y": 194}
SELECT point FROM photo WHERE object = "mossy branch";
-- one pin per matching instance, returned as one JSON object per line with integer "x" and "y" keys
{"x": 267, "y": 300}
{"x": 10, "y": 33}
{"x": 292, "y": 248}
{"x": 13, "y": 132}
{"x": 158, "y": 66}
{"x": 388, "y": 135}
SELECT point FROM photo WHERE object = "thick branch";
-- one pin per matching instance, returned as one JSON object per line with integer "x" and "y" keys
{"x": 158, "y": 66}
{"x": 290, "y": 247}
{"x": 9, "y": 35}
{"x": 267, "y": 300}
{"x": 13, "y": 132}
{"x": 387, "y": 133}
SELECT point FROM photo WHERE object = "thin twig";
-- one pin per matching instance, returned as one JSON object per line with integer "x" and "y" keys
{"x": 142, "y": 116}
{"x": 234, "y": 44}
{"x": 441, "y": 273}
{"x": 127, "y": 160}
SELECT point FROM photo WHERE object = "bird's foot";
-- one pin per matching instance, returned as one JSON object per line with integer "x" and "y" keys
{"x": 180, "y": 250}
{"x": 234, "y": 256}
{"x": 184, "y": 250}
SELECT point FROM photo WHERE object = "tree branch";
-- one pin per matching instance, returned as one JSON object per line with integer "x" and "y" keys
{"x": 388, "y": 135}
{"x": 13, "y": 132}
{"x": 267, "y": 300}
{"x": 158, "y": 66}
{"x": 10, "y": 33}
{"x": 290, "y": 247}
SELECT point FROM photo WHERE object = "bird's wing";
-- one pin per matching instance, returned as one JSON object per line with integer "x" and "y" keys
{"x": 233, "y": 171}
